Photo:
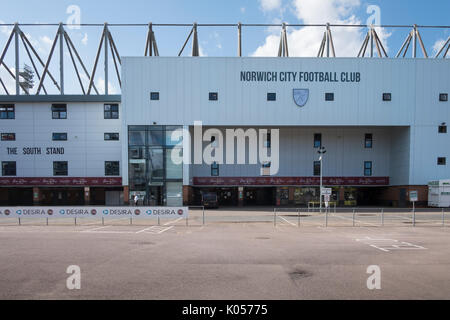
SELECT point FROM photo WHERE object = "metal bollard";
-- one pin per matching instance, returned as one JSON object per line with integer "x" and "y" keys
{"x": 19, "y": 222}
{"x": 203, "y": 215}
{"x": 443, "y": 217}
{"x": 159, "y": 222}
{"x": 187, "y": 221}
{"x": 47, "y": 221}
{"x": 382, "y": 217}
{"x": 274, "y": 216}
{"x": 326, "y": 217}
{"x": 353, "y": 217}
{"x": 298, "y": 214}
{"x": 75, "y": 221}
{"x": 103, "y": 221}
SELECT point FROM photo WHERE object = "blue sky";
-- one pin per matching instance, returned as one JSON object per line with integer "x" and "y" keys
{"x": 218, "y": 41}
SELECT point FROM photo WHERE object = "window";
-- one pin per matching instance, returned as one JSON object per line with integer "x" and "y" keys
{"x": 112, "y": 168}
{"x": 443, "y": 96}
{"x": 62, "y": 136}
{"x": 368, "y": 140}
{"x": 60, "y": 168}
{"x": 213, "y": 96}
{"x": 441, "y": 161}
{"x": 329, "y": 96}
{"x": 111, "y": 136}
{"x": 8, "y": 168}
{"x": 317, "y": 140}
{"x": 8, "y": 137}
{"x": 214, "y": 169}
{"x": 7, "y": 111}
{"x": 59, "y": 111}
{"x": 387, "y": 96}
{"x": 271, "y": 96}
{"x": 367, "y": 168}
{"x": 111, "y": 111}
{"x": 316, "y": 168}
{"x": 442, "y": 128}
{"x": 154, "y": 95}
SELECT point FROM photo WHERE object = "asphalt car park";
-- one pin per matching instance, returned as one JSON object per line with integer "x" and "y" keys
{"x": 235, "y": 254}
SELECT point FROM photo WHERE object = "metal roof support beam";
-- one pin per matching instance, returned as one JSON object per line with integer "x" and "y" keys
{"x": 91, "y": 81}
{"x": 61, "y": 57}
{"x": 47, "y": 64}
{"x": 424, "y": 51}
{"x": 195, "y": 48}
{"x": 331, "y": 40}
{"x": 16, "y": 52}
{"x": 443, "y": 47}
{"x": 239, "y": 39}
{"x": 187, "y": 39}
{"x": 66, "y": 36}
{"x": 322, "y": 46}
{"x": 363, "y": 46}
{"x": 24, "y": 37}
{"x": 4, "y": 87}
{"x": 32, "y": 61}
{"x": 74, "y": 64}
{"x": 106, "y": 59}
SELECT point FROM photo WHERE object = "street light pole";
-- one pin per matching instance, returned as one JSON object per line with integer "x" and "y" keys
{"x": 321, "y": 151}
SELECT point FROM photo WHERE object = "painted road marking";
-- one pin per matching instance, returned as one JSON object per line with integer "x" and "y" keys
{"x": 387, "y": 245}
{"x": 293, "y": 224}
{"x": 173, "y": 221}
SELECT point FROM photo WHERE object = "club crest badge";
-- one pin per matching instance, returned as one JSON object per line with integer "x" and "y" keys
{"x": 300, "y": 96}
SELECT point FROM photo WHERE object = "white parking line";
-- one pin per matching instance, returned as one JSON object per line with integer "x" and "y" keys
{"x": 292, "y": 224}
{"x": 170, "y": 222}
{"x": 95, "y": 229}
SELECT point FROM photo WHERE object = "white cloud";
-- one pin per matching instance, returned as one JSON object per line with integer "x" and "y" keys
{"x": 100, "y": 84}
{"x": 269, "y": 5}
{"x": 6, "y": 30}
{"x": 242, "y": 9}
{"x": 85, "y": 39}
{"x": 438, "y": 45}
{"x": 305, "y": 42}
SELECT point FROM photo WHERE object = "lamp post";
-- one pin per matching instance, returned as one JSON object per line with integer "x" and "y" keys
{"x": 321, "y": 151}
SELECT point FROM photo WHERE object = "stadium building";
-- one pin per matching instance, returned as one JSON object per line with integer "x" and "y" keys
{"x": 382, "y": 122}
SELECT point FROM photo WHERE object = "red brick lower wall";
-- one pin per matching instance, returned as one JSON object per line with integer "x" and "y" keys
{"x": 392, "y": 195}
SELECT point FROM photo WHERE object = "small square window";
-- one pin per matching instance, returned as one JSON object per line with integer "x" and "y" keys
{"x": 367, "y": 168}
{"x": 59, "y": 136}
{"x": 7, "y": 111}
{"x": 59, "y": 111}
{"x": 442, "y": 129}
{"x": 443, "y": 96}
{"x": 441, "y": 161}
{"x": 213, "y": 96}
{"x": 60, "y": 168}
{"x": 387, "y": 96}
{"x": 111, "y": 111}
{"x": 154, "y": 95}
{"x": 114, "y": 136}
{"x": 8, "y": 168}
{"x": 214, "y": 169}
{"x": 112, "y": 168}
{"x": 329, "y": 96}
{"x": 317, "y": 140}
{"x": 8, "y": 137}
{"x": 368, "y": 140}
{"x": 271, "y": 96}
